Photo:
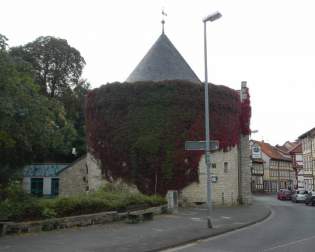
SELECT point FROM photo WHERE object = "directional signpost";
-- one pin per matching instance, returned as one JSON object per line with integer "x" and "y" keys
{"x": 201, "y": 145}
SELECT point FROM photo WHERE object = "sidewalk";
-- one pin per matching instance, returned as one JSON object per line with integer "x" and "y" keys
{"x": 163, "y": 232}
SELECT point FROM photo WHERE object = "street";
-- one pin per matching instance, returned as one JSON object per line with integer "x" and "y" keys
{"x": 291, "y": 227}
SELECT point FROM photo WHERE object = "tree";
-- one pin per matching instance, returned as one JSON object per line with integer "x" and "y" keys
{"x": 3, "y": 42}
{"x": 57, "y": 69}
{"x": 57, "y": 65}
{"x": 74, "y": 104}
{"x": 32, "y": 126}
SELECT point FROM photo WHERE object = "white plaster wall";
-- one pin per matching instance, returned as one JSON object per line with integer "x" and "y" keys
{"x": 46, "y": 186}
{"x": 266, "y": 160}
{"x": 26, "y": 184}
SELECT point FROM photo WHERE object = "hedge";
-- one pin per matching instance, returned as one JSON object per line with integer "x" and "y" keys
{"x": 26, "y": 207}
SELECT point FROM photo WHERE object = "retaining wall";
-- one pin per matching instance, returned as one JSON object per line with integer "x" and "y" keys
{"x": 68, "y": 222}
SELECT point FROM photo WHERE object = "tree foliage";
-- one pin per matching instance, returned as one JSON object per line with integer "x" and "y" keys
{"x": 32, "y": 126}
{"x": 3, "y": 42}
{"x": 57, "y": 65}
{"x": 57, "y": 68}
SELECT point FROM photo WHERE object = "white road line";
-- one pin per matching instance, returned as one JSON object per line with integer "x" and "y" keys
{"x": 158, "y": 229}
{"x": 290, "y": 243}
{"x": 180, "y": 247}
{"x": 220, "y": 236}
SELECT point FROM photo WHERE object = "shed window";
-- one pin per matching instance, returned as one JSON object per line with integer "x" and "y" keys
{"x": 54, "y": 186}
{"x": 37, "y": 186}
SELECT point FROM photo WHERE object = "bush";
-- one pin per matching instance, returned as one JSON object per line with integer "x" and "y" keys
{"x": 19, "y": 210}
{"x": 19, "y": 206}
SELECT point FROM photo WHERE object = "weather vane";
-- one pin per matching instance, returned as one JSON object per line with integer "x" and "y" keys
{"x": 163, "y": 21}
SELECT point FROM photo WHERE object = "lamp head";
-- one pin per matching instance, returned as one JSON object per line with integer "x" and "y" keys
{"x": 212, "y": 17}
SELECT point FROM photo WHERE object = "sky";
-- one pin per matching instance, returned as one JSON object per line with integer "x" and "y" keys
{"x": 268, "y": 43}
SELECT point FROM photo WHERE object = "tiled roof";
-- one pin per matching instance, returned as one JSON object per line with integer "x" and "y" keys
{"x": 272, "y": 151}
{"x": 311, "y": 132}
{"x": 297, "y": 148}
{"x": 162, "y": 62}
{"x": 43, "y": 170}
{"x": 282, "y": 148}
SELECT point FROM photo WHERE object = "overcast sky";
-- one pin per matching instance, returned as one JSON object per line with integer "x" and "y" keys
{"x": 268, "y": 43}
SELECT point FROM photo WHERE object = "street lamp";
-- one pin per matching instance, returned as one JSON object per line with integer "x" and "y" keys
{"x": 210, "y": 18}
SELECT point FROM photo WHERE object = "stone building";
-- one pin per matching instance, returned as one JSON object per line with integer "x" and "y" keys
{"x": 230, "y": 168}
{"x": 308, "y": 149}
{"x": 54, "y": 179}
{"x": 42, "y": 179}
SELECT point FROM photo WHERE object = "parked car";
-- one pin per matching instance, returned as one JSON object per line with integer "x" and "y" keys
{"x": 284, "y": 194}
{"x": 299, "y": 196}
{"x": 310, "y": 198}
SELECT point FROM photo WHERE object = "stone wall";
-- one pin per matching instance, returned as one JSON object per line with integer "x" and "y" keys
{"x": 95, "y": 177}
{"x": 7, "y": 228}
{"x": 245, "y": 195}
{"x": 73, "y": 180}
{"x": 225, "y": 190}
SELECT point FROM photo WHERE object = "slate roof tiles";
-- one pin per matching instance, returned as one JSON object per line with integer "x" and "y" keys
{"x": 163, "y": 62}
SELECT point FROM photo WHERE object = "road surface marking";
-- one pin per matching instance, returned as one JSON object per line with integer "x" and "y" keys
{"x": 192, "y": 244}
{"x": 225, "y": 217}
{"x": 158, "y": 229}
{"x": 290, "y": 243}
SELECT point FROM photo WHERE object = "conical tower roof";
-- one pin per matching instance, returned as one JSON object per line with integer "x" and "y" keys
{"x": 162, "y": 62}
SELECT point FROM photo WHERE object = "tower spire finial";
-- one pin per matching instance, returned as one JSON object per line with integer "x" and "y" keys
{"x": 163, "y": 21}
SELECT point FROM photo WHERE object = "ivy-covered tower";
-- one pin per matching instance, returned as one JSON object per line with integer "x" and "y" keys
{"x": 163, "y": 62}
{"x": 136, "y": 131}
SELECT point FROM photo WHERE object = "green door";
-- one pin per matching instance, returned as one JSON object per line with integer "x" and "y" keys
{"x": 54, "y": 186}
{"x": 37, "y": 186}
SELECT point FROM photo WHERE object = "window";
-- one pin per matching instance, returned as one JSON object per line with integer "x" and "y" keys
{"x": 225, "y": 165}
{"x": 37, "y": 186}
{"x": 54, "y": 186}
{"x": 213, "y": 165}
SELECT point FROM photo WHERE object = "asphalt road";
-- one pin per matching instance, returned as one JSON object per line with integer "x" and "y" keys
{"x": 291, "y": 227}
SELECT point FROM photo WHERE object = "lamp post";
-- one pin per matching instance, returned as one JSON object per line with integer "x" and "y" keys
{"x": 211, "y": 18}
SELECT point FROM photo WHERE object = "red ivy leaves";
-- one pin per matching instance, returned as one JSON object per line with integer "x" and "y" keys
{"x": 138, "y": 130}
